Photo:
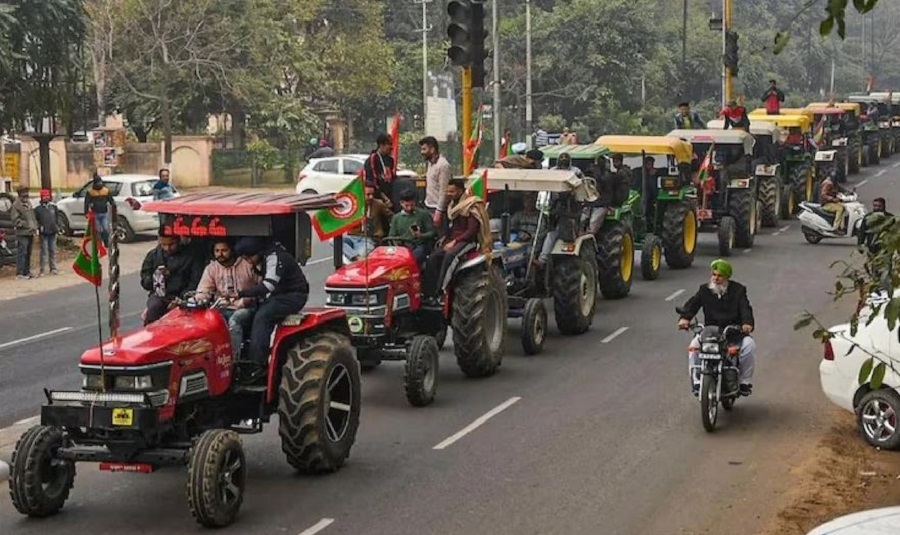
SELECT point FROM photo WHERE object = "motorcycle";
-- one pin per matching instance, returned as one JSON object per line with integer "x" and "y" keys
{"x": 816, "y": 223}
{"x": 718, "y": 354}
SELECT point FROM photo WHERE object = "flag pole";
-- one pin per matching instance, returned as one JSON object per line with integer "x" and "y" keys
{"x": 114, "y": 278}
{"x": 95, "y": 252}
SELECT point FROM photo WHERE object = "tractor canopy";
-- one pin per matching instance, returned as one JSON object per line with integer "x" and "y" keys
{"x": 537, "y": 180}
{"x": 679, "y": 150}
{"x": 758, "y": 129}
{"x": 784, "y": 111}
{"x": 719, "y": 137}
{"x": 582, "y": 156}
{"x": 802, "y": 122}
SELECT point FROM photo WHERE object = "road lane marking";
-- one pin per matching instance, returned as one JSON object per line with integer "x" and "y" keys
{"x": 782, "y": 229}
{"x": 616, "y": 333}
{"x": 318, "y": 526}
{"x": 319, "y": 261}
{"x": 675, "y": 294}
{"x": 27, "y": 421}
{"x": 35, "y": 337}
{"x": 879, "y": 173}
{"x": 862, "y": 182}
{"x": 896, "y": 164}
{"x": 477, "y": 423}
{"x": 747, "y": 250}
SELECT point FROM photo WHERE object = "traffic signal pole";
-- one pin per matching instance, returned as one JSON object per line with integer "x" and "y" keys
{"x": 466, "y": 116}
{"x": 727, "y": 76}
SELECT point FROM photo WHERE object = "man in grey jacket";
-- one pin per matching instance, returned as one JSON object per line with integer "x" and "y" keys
{"x": 26, "y": 227}
{"x": 46, "y": 214}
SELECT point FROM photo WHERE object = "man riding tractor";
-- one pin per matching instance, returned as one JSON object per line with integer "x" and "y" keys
{"x": 544, "y": 253}
{"x": 876, "y": 127}
{"x": 728, "y": 188}
{"x": 851, "y": 129}
{"x": 890, "y": 107}
{"x": 797, "y": 156}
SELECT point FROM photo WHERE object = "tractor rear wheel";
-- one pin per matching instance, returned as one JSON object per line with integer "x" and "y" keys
{"x": 575, "y": 291}
{"x": 479, "y": 321}
{"x": 318, "y": 403}
{"x": 615, "y": 260}
{"x": 770, "y": 196}
{"x": 854, "y": 154}
{"x": 742, "y": 206}
{"x": 679, "y": 234}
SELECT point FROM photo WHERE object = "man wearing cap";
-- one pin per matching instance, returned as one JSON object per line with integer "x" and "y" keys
{"x": 26, "y": 227}
{"x": 46, "y": 214}
{"x": 283, "y": 291}
{"x": 724, "y": 302}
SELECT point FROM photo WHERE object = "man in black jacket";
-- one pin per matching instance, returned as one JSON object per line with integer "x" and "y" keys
{"x": 169, "y": 270}
{"x": 724, "y": 302}
{"x": 282, "y": 292}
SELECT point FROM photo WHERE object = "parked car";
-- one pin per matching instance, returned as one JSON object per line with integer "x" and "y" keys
{"x": 877, "y": 411}
{"x": 130, "y": 193}
{"x": 332, "y": 174}
{"x": 7, "y": 233}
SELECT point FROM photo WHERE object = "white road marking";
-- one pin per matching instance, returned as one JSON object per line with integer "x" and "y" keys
{"x": 616, "y": 333}
{"x": 35, "y": 337}
{"x": 879, "y": 173}
{"x": 319, "y": 261}
{"x": 782, "y": 229}
{"x": 862, "y": 182}
{"x": 896, "y": 164}
{"x": 675, "y": 294}
{"x": 318, "y": 526}
{"x": 28, "y": 421}
{"x": 477, "y": 423}
{"x": 4, "y": 471}
{"x": 747, "y": 250}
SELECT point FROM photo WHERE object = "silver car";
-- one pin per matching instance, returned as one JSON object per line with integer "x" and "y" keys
{"x": 130, "y": 193}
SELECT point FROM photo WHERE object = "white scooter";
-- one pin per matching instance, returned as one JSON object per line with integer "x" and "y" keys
{"x": 817, "y": 223}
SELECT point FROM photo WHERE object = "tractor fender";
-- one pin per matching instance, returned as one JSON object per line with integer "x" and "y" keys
{"x": 741, "y": 183}
{"x": 825, "y": 155}
{"x": 767, "y": 170}
{"x": 561, "y": 248}
{"x": 840, "y": 142}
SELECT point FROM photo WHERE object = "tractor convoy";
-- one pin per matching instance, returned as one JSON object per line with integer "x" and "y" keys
{"x": 170, "y": 394}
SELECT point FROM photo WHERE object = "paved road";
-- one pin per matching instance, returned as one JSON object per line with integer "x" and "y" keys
{"x": 599, "y": 434}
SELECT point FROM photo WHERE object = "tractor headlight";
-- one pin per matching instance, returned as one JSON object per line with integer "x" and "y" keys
{"x": 133, "y": 382}
{"x": 92, "y": 382}
{"x": 710, "y": 347}
{"x": 364, "y": 299}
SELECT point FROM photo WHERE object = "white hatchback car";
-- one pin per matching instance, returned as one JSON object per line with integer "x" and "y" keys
{"x": 130, "y": 193}
{"x": 877, "y": 411}
{"x": 334, "y": 173}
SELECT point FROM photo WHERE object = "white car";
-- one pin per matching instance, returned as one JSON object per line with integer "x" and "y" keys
{"x": 871, "y": 522}
{"x": 334, "y": 173}
{"x": 130, "y": 193}
{"x": 877, "y": 411}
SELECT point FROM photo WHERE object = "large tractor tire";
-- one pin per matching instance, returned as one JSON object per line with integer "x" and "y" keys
{"x": 742, "y": 205}
{"x": 875, "y": 152}
{"x": 726, "y": 235}
{"x": 842, "y": 163}
{"x": 770, "y": 197}
{"x": 679, "y": 234}
{"x": 854, "y": 154}
{"x": 534, "y": 326}
{"x": 801, "y": 181}
{"x": 651, "y": 257}
{"x": 615, "y": 260}
{"x": 40, "y": 482}
{"x": 575, "y": 291}
{"x": 479, "y": 321}
{"x": 217, "y": 473}
{"x": 318, "y": 403}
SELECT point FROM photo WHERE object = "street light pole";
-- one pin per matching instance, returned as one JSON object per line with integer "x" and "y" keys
{"x": 529, "y": 125}
{"x": 495, "y": 28}
{"x": 425, "y": 29}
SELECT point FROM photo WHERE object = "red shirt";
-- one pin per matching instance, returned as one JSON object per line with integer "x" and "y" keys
{"x": 464, "y": 229}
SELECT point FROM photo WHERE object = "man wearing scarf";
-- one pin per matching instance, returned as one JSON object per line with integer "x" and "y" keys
{"x": 469, "y": 230}
{"x": 724, "y": 302}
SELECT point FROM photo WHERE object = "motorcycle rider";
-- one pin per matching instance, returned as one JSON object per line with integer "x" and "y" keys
{"x": 724, "y": 302}
{"x": 282, "y": 291}
{"x": 831, "y": 203}
{"x": 868, "y": 236}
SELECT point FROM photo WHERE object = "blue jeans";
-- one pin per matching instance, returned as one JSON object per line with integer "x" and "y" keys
{"x": 238, "y": 320}
{"x": 48, "y": 252}
{"x": 356, "y": 246}
{"x": 268, "y": 316}
{"x": 103, "y": 226}
{"x": 23, "y": 260}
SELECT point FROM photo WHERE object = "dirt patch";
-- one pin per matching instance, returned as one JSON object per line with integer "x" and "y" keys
{"x": 66, "y": 251}
{"x": 843, "y": 475}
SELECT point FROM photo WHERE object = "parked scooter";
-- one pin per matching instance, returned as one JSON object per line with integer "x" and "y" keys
{"x": 817, "y": 223}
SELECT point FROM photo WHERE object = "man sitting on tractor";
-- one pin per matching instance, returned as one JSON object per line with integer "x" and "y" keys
{"x": 526, "y": 221}
{"x": 469, "y": 229}
{"x": 735, "y": 116}
{"x": 532, "y": 159}
{"x": 831, "y": 203}
{"x": 413, "y": 225}
{"x": 283, "y": 291}
{"x": 226, "y": 276}
{"x": 168, "y": 271}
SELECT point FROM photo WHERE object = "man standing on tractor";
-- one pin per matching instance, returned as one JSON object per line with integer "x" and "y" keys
{"x": 359, "y": 242}
{"x": 378, "y": 169}
{"x": 168, "y": 271}
{"x": 98, "y": 199}
{"x": 564, "y": 163}
{"x": 469, "y": 229}
{"x": 413, "y": 225}
{"x": 283, "y": 291}
{"x": 831, "y": 203}
{"x": 773, "y": 97}
{"x": 686, "y": 119}
{"x": 735, "y": 116}
{"x": 437, "y": 176}
{"x": 226, "y": 276}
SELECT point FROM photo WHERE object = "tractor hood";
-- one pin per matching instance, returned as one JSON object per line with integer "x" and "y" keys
{"x": 178, "y": 335}
{"x": 385, "y": 265}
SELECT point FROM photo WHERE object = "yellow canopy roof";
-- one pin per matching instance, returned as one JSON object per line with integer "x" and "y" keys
{"x": 846, "y": 106}
{"x": 787, "y": 121}
{"x": 681, "y": 150}
{"x": 723, "y": 137}
{"x": 784, "y": 111}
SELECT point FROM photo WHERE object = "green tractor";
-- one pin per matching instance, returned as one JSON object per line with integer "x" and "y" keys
{"x": 851, "y": 130}
{"x": 796, "y": 156}
{"x": 876, "y": 128}
{"x": 892, "y": 109}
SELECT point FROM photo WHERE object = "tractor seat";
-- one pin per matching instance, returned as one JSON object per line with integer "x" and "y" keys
{"x": 817, "y": 209}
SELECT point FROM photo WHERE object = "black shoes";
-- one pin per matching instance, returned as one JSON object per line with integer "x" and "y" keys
{"x": 746, "y": 390}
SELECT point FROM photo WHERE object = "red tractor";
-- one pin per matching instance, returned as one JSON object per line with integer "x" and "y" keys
{"x": 164, "y": 394}
{"x": 389, "y": 319}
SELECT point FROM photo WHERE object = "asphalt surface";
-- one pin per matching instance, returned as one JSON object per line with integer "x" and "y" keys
{"x": 599, "y": 434}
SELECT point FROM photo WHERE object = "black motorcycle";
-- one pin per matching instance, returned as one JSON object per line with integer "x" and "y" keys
{"x": 718, "y": 353}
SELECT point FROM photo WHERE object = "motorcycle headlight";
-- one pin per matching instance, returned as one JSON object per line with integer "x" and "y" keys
{"x": 92, "y": 382}
{"x": 133, "y": 382}
{"x": 709, "y": 347}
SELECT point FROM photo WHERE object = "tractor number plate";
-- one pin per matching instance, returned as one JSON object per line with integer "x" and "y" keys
{"x": 703, "y": 213}
{"x": 122, "y": 417}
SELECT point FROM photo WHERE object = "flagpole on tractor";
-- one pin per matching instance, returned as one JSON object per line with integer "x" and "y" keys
{"x": 113, "y": 277}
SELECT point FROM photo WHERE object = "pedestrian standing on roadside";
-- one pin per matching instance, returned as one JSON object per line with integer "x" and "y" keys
{"x": 46, "y": 214}
{"x": 163, "y": 188}
{"x": 437, "y": 176}
{"x": 26, "y": 227}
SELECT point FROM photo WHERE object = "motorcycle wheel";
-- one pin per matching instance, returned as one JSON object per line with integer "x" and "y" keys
{"x": 709, "y": 405}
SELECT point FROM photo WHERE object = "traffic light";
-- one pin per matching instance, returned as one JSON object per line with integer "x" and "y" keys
{"x": 467, "y": 36}
{"x": 731, "y": 51}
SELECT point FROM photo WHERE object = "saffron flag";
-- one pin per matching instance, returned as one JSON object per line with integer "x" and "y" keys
{"x": 819, "y": 134}
{"x": 87, "y": 263}
{"x": 474, "y": 142}
{"x": 479, "y": 186}
{"x": 706, "y": 180}
{"x": 395, "y": 144}
{"x": 330, "y": 222}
